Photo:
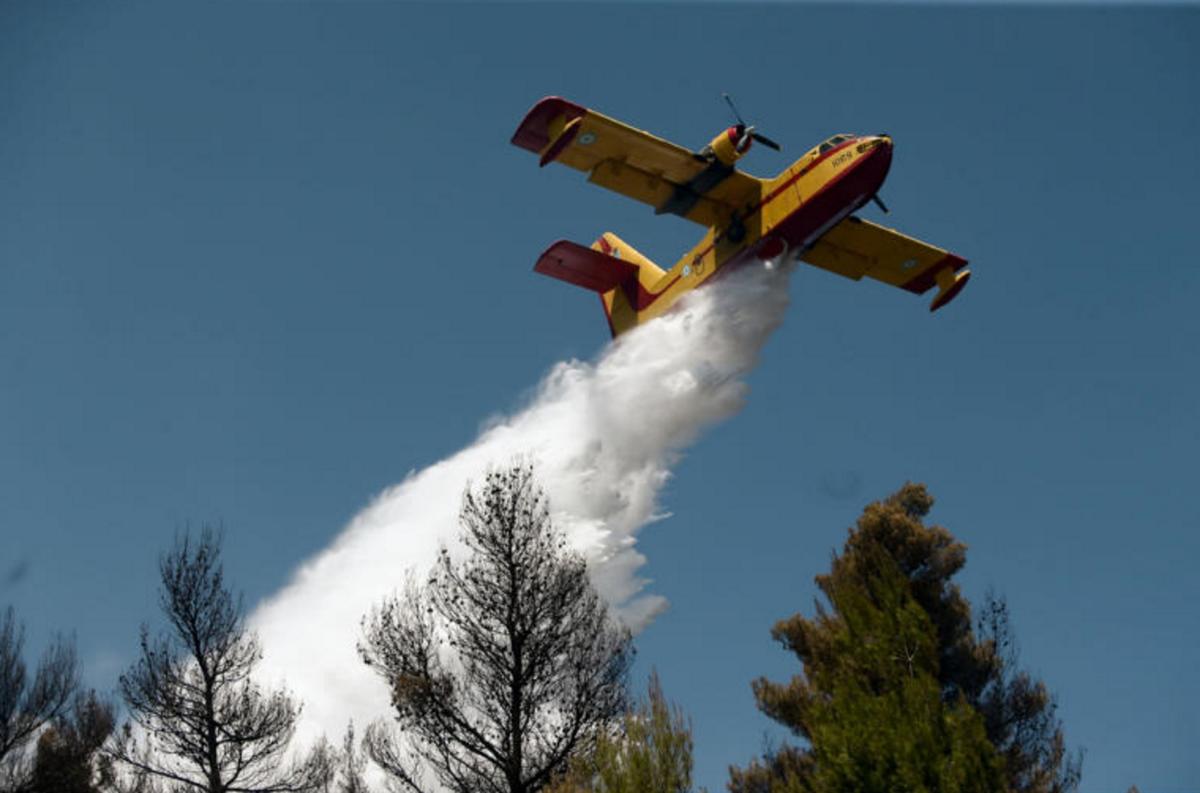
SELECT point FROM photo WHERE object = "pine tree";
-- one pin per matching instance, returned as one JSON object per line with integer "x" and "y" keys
{"x": 899, "y": 690}
{"x": 203, "y": 723}
{"x": 30, "y": 702}
{"x": 68, "y": 758}
{"x": 505, "y": 664}
{"x": 650, "y": 752}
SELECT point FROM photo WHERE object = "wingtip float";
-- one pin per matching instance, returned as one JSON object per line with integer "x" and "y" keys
{"x": 807, "y": 209}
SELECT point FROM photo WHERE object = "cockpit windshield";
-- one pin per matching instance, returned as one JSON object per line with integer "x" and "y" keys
{"x": 834, "y": 141}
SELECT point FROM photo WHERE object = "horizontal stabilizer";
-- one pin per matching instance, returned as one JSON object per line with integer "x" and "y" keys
{"x": 575, "y": 264}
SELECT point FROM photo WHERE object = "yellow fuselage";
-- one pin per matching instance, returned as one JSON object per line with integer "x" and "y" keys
{"x": 794, "y": 209}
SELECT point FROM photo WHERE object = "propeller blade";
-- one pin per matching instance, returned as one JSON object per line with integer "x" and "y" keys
{"x": 736, "y": 114}
{"x": 764, "y": 140}
{"x": 746, "y": 133}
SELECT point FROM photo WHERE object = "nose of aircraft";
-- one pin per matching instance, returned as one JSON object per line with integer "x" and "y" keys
{"x": 877, "y": 149}
{"x": 877, "y": 160}
{"x": 883, "y": 148}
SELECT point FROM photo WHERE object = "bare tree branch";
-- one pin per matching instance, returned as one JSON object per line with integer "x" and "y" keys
{"x": 503, "y": 665}
{"x": 201, "y": 722}
{"x": 28, "y": 705}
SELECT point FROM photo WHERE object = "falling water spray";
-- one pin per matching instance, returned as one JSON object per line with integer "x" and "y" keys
{"x": 602, "y": 436}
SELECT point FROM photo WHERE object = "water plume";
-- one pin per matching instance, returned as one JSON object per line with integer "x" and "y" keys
{"x": 602, "y": 437}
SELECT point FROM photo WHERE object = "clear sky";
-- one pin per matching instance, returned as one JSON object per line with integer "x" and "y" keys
{"x": 258, "y": 261}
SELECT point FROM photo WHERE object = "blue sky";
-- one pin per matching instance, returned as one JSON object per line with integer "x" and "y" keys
{"x": 258, "y": 261}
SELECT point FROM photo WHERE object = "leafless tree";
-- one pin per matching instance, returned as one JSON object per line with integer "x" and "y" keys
{"x": 28, "y": 704}
{"x": 199, "y": 722}
{"x": 503, "y": 665}
{"x": 351, "y": 765}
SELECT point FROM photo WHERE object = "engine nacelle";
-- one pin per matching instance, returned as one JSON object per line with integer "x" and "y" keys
{"x": 730, "y": 145}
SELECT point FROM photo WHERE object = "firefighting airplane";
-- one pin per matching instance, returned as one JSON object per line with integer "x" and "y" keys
{"x": 806, "y": 210}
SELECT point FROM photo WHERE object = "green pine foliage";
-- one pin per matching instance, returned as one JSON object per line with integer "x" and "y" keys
{"x": 649, "y": 752}
{"x": 876, "y": 718}
{"x": 899, "y": 692}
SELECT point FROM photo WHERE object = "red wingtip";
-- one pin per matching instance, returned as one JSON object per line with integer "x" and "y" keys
{"x": 532, "y": 134}
{"x": 560, "y": 144}
{"x": 950, "y": 292}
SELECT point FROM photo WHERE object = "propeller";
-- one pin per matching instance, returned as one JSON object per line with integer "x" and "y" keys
{"x": 747, "y": 133}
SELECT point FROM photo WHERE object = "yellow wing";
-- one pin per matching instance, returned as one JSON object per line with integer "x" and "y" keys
{"x": 635, "y": 163}
{"x": 857, "y": 247}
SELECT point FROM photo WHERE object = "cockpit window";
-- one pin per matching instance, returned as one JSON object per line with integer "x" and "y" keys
{"x": 834, "y": 141}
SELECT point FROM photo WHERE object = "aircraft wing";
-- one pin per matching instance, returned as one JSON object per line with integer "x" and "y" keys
{"x": 857, "y": 247}
{"x": 635, "y": 163}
